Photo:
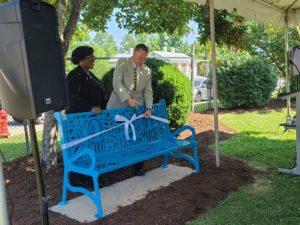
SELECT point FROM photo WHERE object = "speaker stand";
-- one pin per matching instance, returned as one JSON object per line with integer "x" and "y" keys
{"x": 296, "y": 170}
{"x": 38, "y": 172}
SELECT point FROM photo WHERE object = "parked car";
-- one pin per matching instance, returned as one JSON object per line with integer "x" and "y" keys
{"x": 202, "y": 89}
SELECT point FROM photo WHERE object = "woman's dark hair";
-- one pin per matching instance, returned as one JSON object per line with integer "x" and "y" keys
{"x": 80, "y": 53}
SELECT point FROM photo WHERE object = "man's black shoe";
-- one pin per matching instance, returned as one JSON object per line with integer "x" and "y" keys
{"x": 81, "y": 183}
{"x": 140, "y": 172}
{"x": 80, "y": 180}
{"x": 138, "y": 169}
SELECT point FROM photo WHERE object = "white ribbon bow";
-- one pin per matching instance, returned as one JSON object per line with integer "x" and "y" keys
{"x": 128, "y": 123}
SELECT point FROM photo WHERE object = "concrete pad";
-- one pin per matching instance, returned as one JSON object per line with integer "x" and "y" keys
{"x": 122, "y": 194}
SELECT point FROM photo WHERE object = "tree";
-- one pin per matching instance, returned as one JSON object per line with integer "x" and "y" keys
{"x": 104, "y": 41}
{"x": 80, "y": 37}
{"x": 155, "y": 16}
{"x": 139, "y": 16}
{"x": 155, "y": 42}
{"x": 130, "y": 40}
{"x": 230, "y": 27}
{"x": 175, "y": 40}
{"x": 269, "y": 42}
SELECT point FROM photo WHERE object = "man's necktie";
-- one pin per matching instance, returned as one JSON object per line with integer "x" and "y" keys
{"x": 134, "y": 78}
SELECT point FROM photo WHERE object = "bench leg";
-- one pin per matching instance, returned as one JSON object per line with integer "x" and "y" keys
{"x": 165, "y": 161}
{"x": 97, "y": 198}
{"x": 64, "y": 190}
{"x": 196, "y": 159}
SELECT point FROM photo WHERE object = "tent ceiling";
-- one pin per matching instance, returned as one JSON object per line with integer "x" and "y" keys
{"x": 264, "y": 11}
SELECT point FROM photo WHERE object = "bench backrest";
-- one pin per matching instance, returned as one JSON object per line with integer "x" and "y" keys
{"x": 78, "y": 125}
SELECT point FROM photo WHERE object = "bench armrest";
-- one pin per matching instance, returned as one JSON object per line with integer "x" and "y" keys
{"x": 186, "y": 127}
{"x": 83, "y": 152}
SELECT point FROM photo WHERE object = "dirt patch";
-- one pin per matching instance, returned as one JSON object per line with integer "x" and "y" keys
{"x": 178, "y": 203}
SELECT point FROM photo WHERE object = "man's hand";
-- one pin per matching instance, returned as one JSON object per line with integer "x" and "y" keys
{"x": 133, "y": 103}
{"x": 96, "y": 109}
{"x": 148, "y": 113}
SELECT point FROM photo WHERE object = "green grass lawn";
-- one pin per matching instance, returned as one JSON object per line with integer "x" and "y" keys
{"x": 202, "y": 106}
{"x": 273, "y": 199}
{"x": 14, "y": 147}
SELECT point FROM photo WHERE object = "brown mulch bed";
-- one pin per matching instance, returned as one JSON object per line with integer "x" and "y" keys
{"x": 178, "y": 203}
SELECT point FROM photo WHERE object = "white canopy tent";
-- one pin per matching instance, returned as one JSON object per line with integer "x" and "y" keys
{"x": 278, "y": 12}
{"x": 263, "y": 11}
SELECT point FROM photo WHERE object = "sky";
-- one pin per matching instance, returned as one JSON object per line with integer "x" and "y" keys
{"x": 118, "y": 33}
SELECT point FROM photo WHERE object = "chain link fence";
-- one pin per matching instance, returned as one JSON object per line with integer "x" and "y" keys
{"x": 17, "y": 144}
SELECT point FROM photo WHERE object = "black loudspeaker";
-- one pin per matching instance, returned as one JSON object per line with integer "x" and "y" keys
{"x": 294, "y": 59}
{"x": 32, "y": 74}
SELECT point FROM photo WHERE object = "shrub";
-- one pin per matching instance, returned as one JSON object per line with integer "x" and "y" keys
{"x": 244, "y": 80}
{"x": 168, "y": 83}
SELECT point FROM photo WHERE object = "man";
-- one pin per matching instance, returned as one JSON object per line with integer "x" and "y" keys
{"x": 133, "y": 86}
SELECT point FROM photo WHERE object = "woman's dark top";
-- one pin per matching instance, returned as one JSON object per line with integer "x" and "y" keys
{"x": 85, "y": 91}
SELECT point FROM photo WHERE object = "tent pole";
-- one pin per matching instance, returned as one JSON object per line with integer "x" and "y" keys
{"x": 3, "y": 204}
{"x": 286, "y": 25}
{"x": 193, "y": 76}
{"x": 298, "y": 30}
{"x": 213, "y": 61}
{"x": 296, "y": 170}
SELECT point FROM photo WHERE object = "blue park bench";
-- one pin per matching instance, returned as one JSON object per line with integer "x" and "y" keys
{"x": 101, "y": 152}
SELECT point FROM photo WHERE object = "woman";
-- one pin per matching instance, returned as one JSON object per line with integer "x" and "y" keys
{"x": 86, "y": 92}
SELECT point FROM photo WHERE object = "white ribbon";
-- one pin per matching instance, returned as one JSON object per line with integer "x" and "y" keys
{"x": 160, "y": 119}
{"x": 118, "y": 118}
{"x": 79, "y": 141}
{"x": 128, "y": 123}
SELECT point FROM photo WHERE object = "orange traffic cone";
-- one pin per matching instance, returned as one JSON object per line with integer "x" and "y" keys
{"x": 3, "y": 124}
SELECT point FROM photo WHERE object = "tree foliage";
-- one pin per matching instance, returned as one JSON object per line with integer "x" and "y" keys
{"x": 96, "y": 13}
{"x": 229, "y": 27}
{"x": 104, "y": 41}
{"x": 155, "y": 42}
{"x": 172, "y": 16}
{"x": 154, "y": 16}
{"x": 268, "y": 42}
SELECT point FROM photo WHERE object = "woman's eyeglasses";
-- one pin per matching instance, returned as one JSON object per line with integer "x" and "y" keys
{"x": 91, "y": 57}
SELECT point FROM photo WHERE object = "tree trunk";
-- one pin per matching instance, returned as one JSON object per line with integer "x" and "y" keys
{"x": 61, "y": 16}
{"x": 72, "y": 23}
{"x": 49, "y": 156}
{"x": 66, "y": 31}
